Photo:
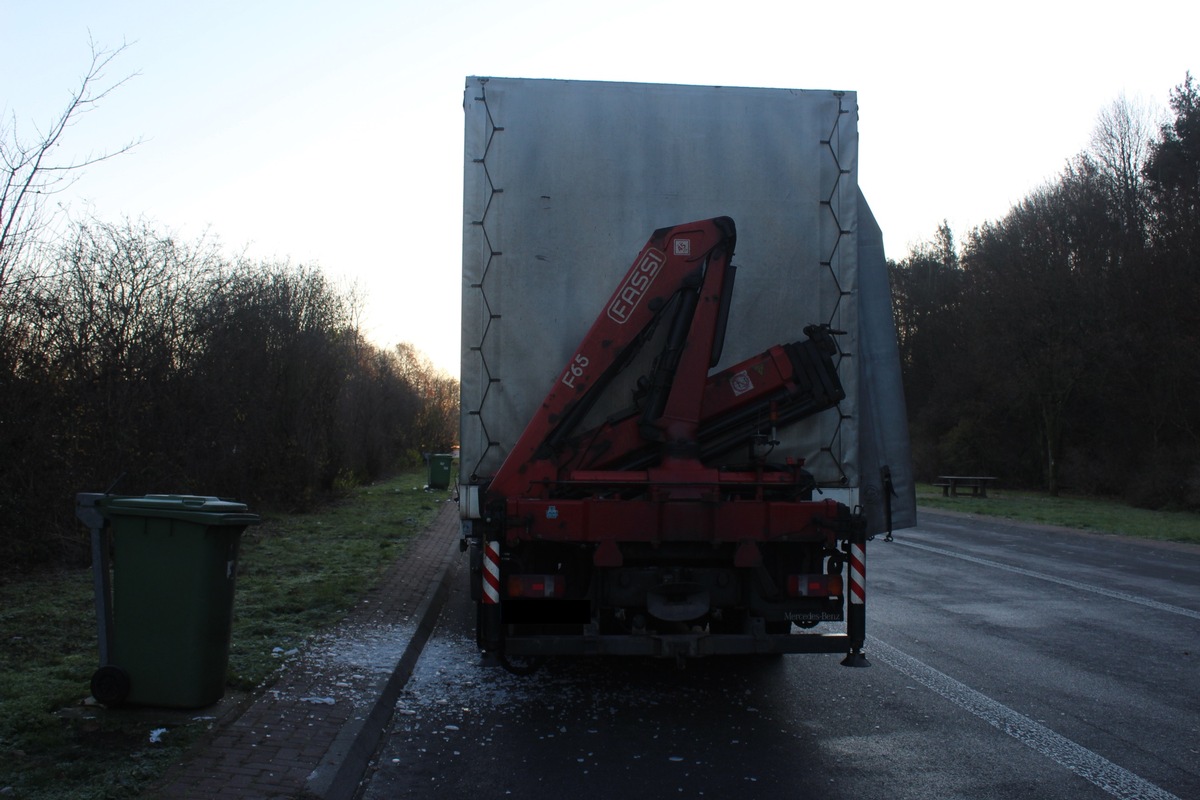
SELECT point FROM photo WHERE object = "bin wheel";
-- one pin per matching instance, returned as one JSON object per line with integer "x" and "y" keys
{"x": 110, "y": 685}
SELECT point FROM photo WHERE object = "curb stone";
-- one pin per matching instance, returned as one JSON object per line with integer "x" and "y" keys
{"x": 349, "y": 756}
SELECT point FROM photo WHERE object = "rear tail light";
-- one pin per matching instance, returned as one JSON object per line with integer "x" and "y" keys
{"x": 815, "y": 585}
{"x": 537, "y": 586}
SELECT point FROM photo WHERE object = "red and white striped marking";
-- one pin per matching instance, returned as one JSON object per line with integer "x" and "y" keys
{"x": 858, "y": 575}
{"x": 491, "y": 573}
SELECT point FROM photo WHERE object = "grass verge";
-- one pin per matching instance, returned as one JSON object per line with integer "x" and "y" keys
{"x": 1083, "y": 513}
{"x": 297, "y": 574}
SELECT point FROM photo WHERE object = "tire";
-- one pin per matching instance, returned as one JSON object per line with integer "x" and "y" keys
{"x": 110, "y": 686}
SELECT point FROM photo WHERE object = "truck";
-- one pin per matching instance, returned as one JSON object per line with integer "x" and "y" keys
{"x": 663, "y": 452}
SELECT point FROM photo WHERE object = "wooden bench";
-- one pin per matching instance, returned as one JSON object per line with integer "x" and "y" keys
{"x": 951, "y": 484}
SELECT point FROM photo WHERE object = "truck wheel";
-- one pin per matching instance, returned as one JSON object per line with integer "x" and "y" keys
{"x": 523, "y": 667}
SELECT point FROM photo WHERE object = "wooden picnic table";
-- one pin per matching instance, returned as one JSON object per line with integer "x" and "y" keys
{"x": 952, "y": 483}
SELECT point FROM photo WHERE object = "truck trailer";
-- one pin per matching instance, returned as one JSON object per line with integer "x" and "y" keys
{"x": 658, "y": 459}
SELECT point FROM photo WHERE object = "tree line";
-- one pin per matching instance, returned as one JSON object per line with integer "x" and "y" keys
{"x": 1059, "y": 346}
{"x": 134, "y": 362}
{"x": 137, "y": 363}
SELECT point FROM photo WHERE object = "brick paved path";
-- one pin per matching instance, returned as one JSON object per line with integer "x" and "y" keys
{"x": 312, "y": 733}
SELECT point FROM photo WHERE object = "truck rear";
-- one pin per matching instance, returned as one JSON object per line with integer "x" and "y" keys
{"x": 656, "y": 461}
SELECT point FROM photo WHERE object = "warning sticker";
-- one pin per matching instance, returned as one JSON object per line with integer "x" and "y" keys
{"x": 741, "y": 383}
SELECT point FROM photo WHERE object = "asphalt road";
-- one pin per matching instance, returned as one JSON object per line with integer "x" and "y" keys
{"x": 1007, "y": 662}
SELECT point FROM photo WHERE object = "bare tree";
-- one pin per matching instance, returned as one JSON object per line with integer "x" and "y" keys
{"x": 30, "y": 171}
{"x": 435, "y": 428}
{"x": 1120, "y": 145}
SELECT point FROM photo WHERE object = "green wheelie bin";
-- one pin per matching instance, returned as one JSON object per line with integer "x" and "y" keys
{"x": 174, "y": 567}
{"x": 440, "y": 466}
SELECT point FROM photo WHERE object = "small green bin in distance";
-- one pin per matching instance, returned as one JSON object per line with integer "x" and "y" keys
{"x": 174, "y": 569}
{"x": 439, "y": 470}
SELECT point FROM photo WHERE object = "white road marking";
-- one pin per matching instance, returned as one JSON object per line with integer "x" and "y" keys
{"x": 1129, "y": 598}
{"x": 1116, "y": 780}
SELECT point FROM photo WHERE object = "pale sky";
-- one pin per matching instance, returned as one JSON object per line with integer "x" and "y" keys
{"x": 331, "y": 133}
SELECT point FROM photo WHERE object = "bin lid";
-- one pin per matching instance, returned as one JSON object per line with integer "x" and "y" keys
{"x": 188, "y": 507}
